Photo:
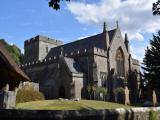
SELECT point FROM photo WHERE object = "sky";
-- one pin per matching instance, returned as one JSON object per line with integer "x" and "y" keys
{"x": 23, "y": 19}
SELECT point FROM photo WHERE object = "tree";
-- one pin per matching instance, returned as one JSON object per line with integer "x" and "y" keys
{"x": 55, "y": 4}
{"x": 28, "y": 93}
{"x": 103, "y": 91}
{"x": 120, "y": 94}
{"x": 91, "y": 89}
{"x": 14, "y": 51}
{"x": 151, "y": 63}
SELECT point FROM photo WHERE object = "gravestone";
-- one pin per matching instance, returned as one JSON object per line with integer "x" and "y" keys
{"x": 154, "y": 98}
{"x": 7, "y": 99}
{"x": 126, "y": 92}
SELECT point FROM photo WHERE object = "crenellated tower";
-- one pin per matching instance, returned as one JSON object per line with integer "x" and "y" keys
{"x": 38, "y": 47}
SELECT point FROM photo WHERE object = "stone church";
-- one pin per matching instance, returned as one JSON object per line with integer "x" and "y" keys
{"x": 66, "y": 70}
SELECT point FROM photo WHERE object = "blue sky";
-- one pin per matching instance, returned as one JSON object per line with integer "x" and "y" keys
{"x": 23, "y": 19}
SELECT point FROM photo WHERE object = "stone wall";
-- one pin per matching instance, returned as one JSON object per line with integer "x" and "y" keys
{"x": 112, "y": 114}
{"x": 135, "y": 65}
{"x": 53, "y": 75}
{"x": 38, "y": 47}
{"x": 118, "y": 43}
{"x": 102, "y": 69}
{"x": 78, "y": 85}
{"x": 44, "y": 48}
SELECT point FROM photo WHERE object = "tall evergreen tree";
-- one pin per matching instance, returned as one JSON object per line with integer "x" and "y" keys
{"x": 151, "y": 63}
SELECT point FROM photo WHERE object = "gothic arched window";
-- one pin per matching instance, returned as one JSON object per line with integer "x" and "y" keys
{"x": 120, "y": 63}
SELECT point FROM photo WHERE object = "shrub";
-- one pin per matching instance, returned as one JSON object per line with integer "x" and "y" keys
{"x": 28, "y": 94}
{"x": 120, "y": 95}
{"x": 91, "y": 89}
{"x": 103, "y": 91}
{"x": 152, "y": 115}
{"x": 119, "y": 90}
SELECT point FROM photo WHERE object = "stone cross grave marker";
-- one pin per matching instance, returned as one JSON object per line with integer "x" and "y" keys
{"x": 126, "y": 92}
{"x": 154, "y": 97}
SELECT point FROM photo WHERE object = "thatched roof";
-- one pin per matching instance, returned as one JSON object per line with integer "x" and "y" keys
{"x": 11, "y": 65}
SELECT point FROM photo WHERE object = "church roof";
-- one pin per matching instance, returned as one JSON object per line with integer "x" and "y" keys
{"x": 72, "y": 65}
{"x": 11, "y": 64}
{"x": 85, "y": 43}
{"x": 111, "y": 34}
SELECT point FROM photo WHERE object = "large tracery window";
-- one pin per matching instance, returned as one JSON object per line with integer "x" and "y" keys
{"x": 120, "y": 63}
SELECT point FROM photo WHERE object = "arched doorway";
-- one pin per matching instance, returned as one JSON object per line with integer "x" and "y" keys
{"x": 62, "y": 92}
{"x": 120, "y": 63}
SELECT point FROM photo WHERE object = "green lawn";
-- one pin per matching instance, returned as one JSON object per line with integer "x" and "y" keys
{"x": 69, "y": 105}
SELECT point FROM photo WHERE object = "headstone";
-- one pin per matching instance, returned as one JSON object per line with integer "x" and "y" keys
{"x": 154, "y": 98}
{"x": 7, "y": 87}
{"x": 16, "y": 90}
{"x": 101, "y": 96}
{"x": 11, "y": 97}
{"x": 126, "y": 92}
{"x": 7, "y": 99}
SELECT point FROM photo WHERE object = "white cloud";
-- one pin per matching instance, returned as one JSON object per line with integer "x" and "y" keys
{"x": 135, "y": 16}
{"x": 11, "y": 44}
{"x": 22, "y": 50}
{"x": 132, "y": 53}
{"x": 138, "y": 52}
{"x": 136, "y": 36}
{"x": 82, "y": 37}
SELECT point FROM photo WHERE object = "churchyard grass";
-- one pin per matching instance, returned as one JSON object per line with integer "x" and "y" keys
{"x": 69, "y": 105}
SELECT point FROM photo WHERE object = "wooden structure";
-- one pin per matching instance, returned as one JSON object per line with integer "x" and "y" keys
{"x": 10, "y": 77}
